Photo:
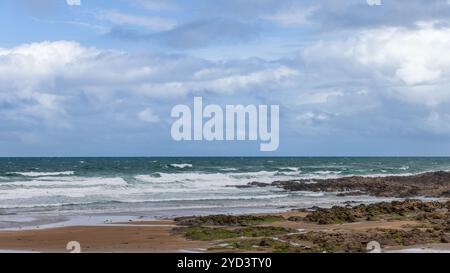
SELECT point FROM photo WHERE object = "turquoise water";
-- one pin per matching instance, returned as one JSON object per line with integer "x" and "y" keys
{"x": 146, "y": 184}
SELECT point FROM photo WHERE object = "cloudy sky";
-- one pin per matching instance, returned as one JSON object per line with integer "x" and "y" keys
{"x": 99, "y": 78}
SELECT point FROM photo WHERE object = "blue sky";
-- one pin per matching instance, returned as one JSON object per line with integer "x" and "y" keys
{"x": 100, "y": 78}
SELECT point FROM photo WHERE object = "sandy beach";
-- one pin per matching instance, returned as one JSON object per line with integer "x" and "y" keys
{"x": 141, "y": 237}
{"x": 149, "y": 237}
{"x": 164, "y": 236}
{"x": 166, "y": 126}
{"x": 410, "y": 223}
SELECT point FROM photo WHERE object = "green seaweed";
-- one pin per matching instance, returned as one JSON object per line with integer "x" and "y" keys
{"x": 209, "y": 234}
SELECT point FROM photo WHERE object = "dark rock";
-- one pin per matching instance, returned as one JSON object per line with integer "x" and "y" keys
{"x": 226, "y": 220}
{"x": 431, "y": 212}
{"x": 434, "y": 184}
{"x": 254, "y": 184}
{"x": 296, "y": 219}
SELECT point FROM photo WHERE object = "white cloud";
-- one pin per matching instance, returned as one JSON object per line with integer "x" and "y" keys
{"x": 416, "y": 56}
{"x": 412, "y": 64}
{"x": 73, "y": 2}
{"x": 46, "y": 80}
{"x": 147, "y": 115}
{"x": 438, "y": 123}
{"x": 233, "y": 83}
{"x": 29, "y": 76}
{"x": 149, "y": 22}
{"x": 346, "y": 78}
{"x": 222, "y": 82}
{"x": 39, "y": 60}
{"x": 318, "y": 97}
{"x": 311, "y": 118}
{"x": 293, "y": 16}
{"x": 156, "y": 5}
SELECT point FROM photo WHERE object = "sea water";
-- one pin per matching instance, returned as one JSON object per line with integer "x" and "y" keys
{"x": 131, "y": 185}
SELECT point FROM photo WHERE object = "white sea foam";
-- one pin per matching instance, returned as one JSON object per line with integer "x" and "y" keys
{"x": 327, "y": 172}
{"x": 37, "y": 174}
{"x": 43, "y": 182}
{"x": 320, "y": 175}
{"x": 312, "y": 194}
{"x": 162, "y": 186}
{"x": 127, "y": 194}
{"x": 229, "y": 169}
{"x": 205, "y": 180}
{"x": 294, "y": 169}
{"x": 158, "y": 186}
{"x": 290, "y": 174}
{"x": 49, "y": 188}
{"x": 25, "y": 193}
{"x": 181, "y": 166}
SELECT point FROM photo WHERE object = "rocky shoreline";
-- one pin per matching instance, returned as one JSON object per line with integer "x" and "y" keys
{"x": 394, "y": 224}
{"x": 433, "y": 184}
{"x": 348, "y": 227}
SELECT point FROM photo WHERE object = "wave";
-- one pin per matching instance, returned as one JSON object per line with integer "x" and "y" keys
{"x": 327, "y": 172}
{"x": 43, "y": 182}
{"x": 311, "y": 194}
{"x": 25, "y": 196}
{"x": 154, "y": 200}
{"x": 37, "y": 174}
{"x": 154, "y": 187}
{"x": 384, "y": 173}
{"x": 205, "y": 180}
{"x": 293, "y": 169}
{"x": 229, "y": 169}
{"x": 181, "y": 166}
{"x": 161, "y": 185}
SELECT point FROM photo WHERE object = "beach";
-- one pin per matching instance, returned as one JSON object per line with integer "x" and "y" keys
{"x": 225, "y": 205}
{"x": 153, "y": 237}
{"x": 257, "y": 126}
{"x": 268, "y": 233}
{"x": 410, "y": 225}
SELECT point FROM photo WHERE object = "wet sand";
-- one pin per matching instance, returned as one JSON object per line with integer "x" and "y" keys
{"x": 154, "y": 237}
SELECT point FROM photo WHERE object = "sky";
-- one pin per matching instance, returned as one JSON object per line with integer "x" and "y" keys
{"x": 99, "y": 78}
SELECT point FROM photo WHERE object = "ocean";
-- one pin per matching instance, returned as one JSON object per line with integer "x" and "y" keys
{"x": 136, "y": 185}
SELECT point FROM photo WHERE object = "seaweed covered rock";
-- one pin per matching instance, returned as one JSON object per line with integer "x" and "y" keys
{"x": 226, "y": 220}
{"x": 210, "y": 234}
{"x": 433, "y": 212}
{"x": 357, "y": 241}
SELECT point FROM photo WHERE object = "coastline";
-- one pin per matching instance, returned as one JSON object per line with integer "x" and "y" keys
{"x": 403, "y": 222}
{"x": 161, "y": 236}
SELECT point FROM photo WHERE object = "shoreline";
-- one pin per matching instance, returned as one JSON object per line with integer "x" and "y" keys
{"x": 169, "y": 235}
{"x": 402, "y": 222}
{"x": 26, "y": 222}
{"x": 21, "y": 222}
